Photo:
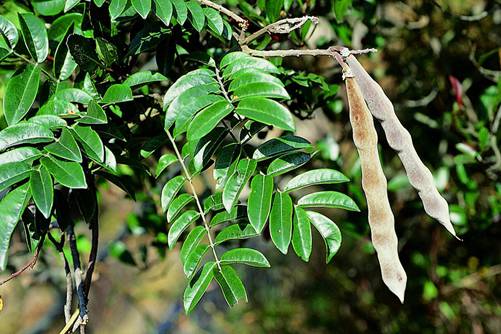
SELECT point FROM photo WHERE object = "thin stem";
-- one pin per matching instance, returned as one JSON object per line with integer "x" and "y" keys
{"x": 50, "y": 76}
{"x": 298, "y": 53}
{"x": 82, "y": 300}
{"x": 69, "y": 277}
{"x": 243, "y": 23}
{"x": 284, "y": 26}
{"x": 197, "y": 200}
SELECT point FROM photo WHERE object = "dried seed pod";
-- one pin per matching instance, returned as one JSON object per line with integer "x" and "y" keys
{"x": 400, "y": 140}
{"x": 381, "y": 220}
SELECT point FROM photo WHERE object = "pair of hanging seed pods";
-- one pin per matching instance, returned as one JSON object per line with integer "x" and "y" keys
{"x": 367, "y": 99}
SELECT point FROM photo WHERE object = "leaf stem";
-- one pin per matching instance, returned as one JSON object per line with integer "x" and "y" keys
{"x": 30, "y": 61}
{"x": 197, "y": 200}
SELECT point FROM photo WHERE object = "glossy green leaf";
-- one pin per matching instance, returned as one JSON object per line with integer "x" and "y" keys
{"x": 65, "y": 147}
{"x": 214, "y": 20}
{"x": 233, "y": 57}
{"x": 48, "y": 121}
{"x": 64, "y": 64}
{"x": 99, "y": 3}
{"x": 118, "y": 93}
{"x": 24, "y": 154}
{"x": 191, "y": 79}
{"x": 13, "y": 172}
{"x": 68, "y": 174}
{"x": 60, "y": 26}
{"x": 248, "y": 256}
{"x": 177, "y": 205}
{"x": 287, "y": 163}
{"x": 266, "y": 111}
{"x": 301, "y": 234}
{"x": 48, "y": 7}
{"x": 181, "y": 10}
{"x": 170, "y": 190}
{"x": 197, "y": 16}
{"x": 9, "y": 31}
{"x": 142, "y": 7}
{"x": 163, "y": 10}
{"x": 280, "y": 145}
{"x": 249, "y": 62}
{"x": 329, "y": 232}
{"x": 24, "y": 133}
{"x": 281, "y": 221}
{"x": 316, "y": 177}
{"x": 42, "y": 190}
{"x": 238, "y": 212}
{"x": 251, "y": 76}
{"x": 142, "y": 78}
{"x": 195, "y": 290}
{"x": 73, "y": 95}
{"x": 11, "y": 209}
{"x": 95, "y": 114}
{"x": 328, "y": 199}
{"x": 20, "y": 94}
{"x": 116, "y": 8}
{"x": 70, "y": 4}
{"x": 237, "y": 182}
{"x": 91, "y": 142}
{"x": 193, "y": 260}
{"x": 234, "y": 232}
{"x": 231, "y": 285}
{"x": 191, "y": 242}
{"x": 213, "y": 202}
{"x": 207, "y": 119}
{"x": 225, "y": 164}
{"x": 165, "y": 161}
{"x": 35, "y": 36}
{"x": 273, "y": 9}
{"x": 179, "y": 225}
{"x": 261, "y": 89}
{"x": 259, "y": 202}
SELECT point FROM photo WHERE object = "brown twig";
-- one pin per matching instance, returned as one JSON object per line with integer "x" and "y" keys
{"x": 29, "y": 265}
{"x": 284, "y": 26}
{"x": 243, "y": 23}
{"x": 331, "y": 52}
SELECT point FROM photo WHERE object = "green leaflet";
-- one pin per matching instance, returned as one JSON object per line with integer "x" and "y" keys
{"x": 42, "y": 190}
{"x": 206, "y": 147}
{"x": 259, "y": 202}
{"x": 301, "y": 234}
{"x": 117, "y": 93}
{"x": 143, "y": 77}
{"x": 91, "y": 142}
{"x": 248, "y": 256}
{"x": 95, "y": 114}
{"x": 261, "y": 89}
{"x": 116, "y": 8}
{"x": 191, "y": 242}
{"x": 163, "y": 10}
{"x": 68, "y": 174}
{"x": 238, "y": 212}
{"x": 266, "y": 111}
{"x": 142, "y": 7}
{"x": 181, "y": 10}
{"x": 279, "y": 146}
{"x": 195, "y": 290}
{"x": 9, "y": 31}
{"x": 24, "y": 154}
{"x": 48, "y": 121}
{"x": 165, "y": 161}
{"x": 197, "y": 17}
{"x": 315, "y": 177}
{"x": 214, "y": 20}
{"x": 237, "y": 181}
{"x": 11, "y": 209}
{"x": 170, "y": 190}
{"x": 20, "y": 94}
{"x": 13, "y": 172}
{"x": 251, "y": 76}
{"x": 177, "y": 205}
{"x": 193, "y": 260}
{"x": 64, "y": 64}
{"x": 24, "y": 133}
{"x": 73, "y": 95}
{"x": 287, "y": 163}
{"x": 60, "y": 26}
{"x": 69, "y": 4}
{"x": 179, "y": 225}
{"x": 207, "y": 119}
{"x": 329, "y": 232}
{"x": 281, "y": 221}
{"x": 328, "y": 199}
{"x": 235, "y": 64}
{"x": 234, "y": 232}
{"x": 226, "y": 163}
{"x": 35, "y": 36}
{"x": 65, "y": 147}
{"x": 191, "y": 79}
{"x": 231, "y": 285}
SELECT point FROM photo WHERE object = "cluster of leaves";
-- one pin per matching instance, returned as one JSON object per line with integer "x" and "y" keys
{"x": 210, "y": 105}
